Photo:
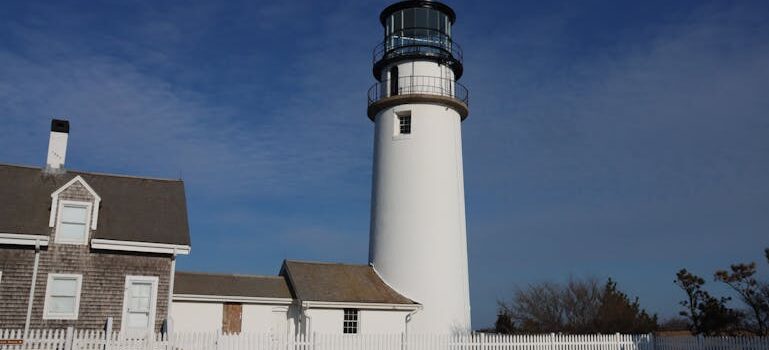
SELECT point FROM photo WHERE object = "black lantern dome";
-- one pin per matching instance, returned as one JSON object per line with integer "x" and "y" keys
{"x": 417, "y": 29}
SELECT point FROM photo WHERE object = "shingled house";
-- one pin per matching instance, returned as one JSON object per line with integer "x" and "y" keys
{"x": 306, "y": 297}
{"x": 78, "y": 248}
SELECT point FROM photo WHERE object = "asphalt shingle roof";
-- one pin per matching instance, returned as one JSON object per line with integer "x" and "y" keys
{"x": 231, "y": 285}
{"x": 332, "y": 282}
{"x": 132, "y": 208}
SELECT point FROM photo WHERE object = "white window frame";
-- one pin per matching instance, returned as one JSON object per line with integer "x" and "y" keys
{"x": 88, "y": 206}
{"x": 47, "y": 315}
{"x": 153, "y": 303}
{"x": 55, "y": 201}
{"x": 397, "y": 135}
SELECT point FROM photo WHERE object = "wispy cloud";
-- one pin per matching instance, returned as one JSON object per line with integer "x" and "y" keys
{"x": 128, "y": 117}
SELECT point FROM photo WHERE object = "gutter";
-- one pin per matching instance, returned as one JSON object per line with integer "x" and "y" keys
{"x": 231, "y": 299}
{"x": 23, "y": 239}
{"x": 359, "y": 305}
{"x": 136, "y": 246}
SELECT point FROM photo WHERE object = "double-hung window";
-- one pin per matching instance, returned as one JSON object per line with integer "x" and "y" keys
{"x": 73, "y": 222}
{"x": 62, "y": 297}
{"x": 350, "y": 324}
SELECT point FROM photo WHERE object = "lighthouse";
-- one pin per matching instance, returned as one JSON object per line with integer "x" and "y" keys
{"x": 418, "y": 239}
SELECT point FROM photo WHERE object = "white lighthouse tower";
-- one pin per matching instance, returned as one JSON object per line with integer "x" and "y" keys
{"x": 418, "y": 238}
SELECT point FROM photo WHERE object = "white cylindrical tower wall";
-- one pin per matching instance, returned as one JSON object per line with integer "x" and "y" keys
{"x": 418, "y": 238}
{"x": 420, "y": 77}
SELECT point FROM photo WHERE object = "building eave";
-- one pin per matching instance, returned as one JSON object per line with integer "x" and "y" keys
{"x": 144, "y": 247}
{"x": 359, "y": 305}
{"x": 24, "y": 239}
{"x": 232, "y": 298}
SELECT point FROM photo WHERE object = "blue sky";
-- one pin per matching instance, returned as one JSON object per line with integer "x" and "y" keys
{"x": 606, "y": 138}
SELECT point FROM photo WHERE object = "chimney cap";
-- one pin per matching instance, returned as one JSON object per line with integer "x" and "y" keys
{"x": 60, "y": 125}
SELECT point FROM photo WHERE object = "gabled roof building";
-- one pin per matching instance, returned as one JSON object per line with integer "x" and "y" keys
{"x": 306, "y": 297}
{"x": 86, "y": 249}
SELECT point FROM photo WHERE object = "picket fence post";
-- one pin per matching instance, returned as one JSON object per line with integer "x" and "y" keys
{"x": 552, "y": 341}
{"x": 69, "y": 338}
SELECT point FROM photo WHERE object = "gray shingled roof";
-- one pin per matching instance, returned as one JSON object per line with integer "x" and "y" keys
{"x": 330, "y": 282}
{"x": 231, "y": 285}
{"x": 132, "y": 208}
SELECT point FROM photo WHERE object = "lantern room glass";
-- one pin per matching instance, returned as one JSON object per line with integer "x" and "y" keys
{"x": 418, "y": 27}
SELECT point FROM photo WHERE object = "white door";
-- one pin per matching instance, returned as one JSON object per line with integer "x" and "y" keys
{"x": 139, "y": 305}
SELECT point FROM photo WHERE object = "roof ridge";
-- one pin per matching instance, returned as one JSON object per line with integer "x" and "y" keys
{"x": 94, "y": 173}
{"x": 20, "y": 166}
{"x": 325, "y": 263}
{"x": 229, "y": 274}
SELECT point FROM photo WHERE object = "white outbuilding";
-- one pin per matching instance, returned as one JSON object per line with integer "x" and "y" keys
{"x": 306, "y": 297}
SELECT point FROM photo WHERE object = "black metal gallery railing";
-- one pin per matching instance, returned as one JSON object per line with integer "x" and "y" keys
{"x": 418, "y": 84}
{"x": 418, "y": 41}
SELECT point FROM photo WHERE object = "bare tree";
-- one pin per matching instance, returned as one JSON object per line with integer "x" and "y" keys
{"x": 581, "y": 301}
{"x": 580, "y": 306}
{"x": 537, "y": 309}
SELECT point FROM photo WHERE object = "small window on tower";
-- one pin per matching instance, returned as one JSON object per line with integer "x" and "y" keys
{"x": 350, "y": 325}
{"x": 404, "y": 124}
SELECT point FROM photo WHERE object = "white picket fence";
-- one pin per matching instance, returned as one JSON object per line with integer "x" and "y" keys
{"x": 70, "y": 339}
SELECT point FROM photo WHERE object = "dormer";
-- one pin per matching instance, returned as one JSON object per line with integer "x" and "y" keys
{"x": 74, "y": 212}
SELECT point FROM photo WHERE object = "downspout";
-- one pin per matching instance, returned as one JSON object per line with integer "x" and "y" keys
{"x": 32, "y": 288}
{"x": 169, "y": 322}
{"x": 408, "y": 319}
{"x": 308, "y": 320}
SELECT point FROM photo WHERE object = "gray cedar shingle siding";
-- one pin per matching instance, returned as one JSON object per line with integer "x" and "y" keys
{"x": 102, "y": 290}
{"x": 132, "y": 208}
{"x": 77, "y": 192}
{"x": 16, "y": 266}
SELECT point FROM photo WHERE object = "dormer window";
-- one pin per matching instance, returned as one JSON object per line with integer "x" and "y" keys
{"x": 73, "y": 223}
{"x": 74, "y": 212}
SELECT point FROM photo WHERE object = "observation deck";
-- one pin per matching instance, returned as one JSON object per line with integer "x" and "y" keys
{"x": 418, "y": 43}
{"x": 418, "y": 89}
